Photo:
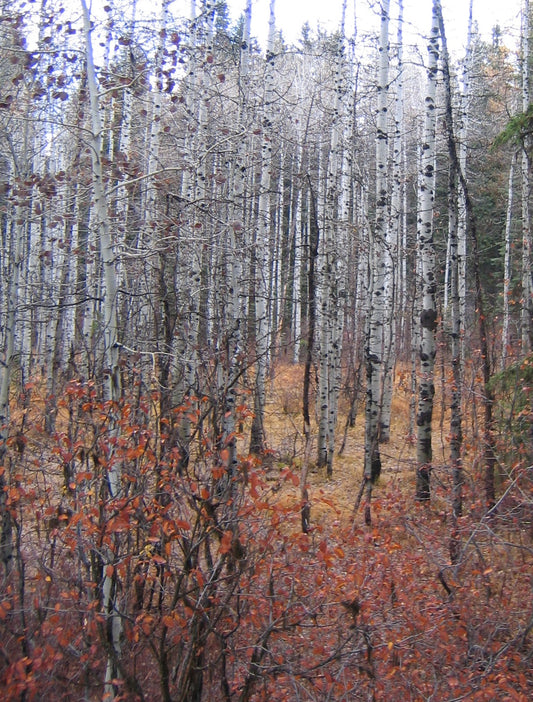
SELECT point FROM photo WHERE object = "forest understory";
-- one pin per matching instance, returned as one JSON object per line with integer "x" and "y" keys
{"x": 230, "y": 600}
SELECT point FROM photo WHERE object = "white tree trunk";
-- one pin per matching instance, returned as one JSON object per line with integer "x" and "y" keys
{"x": 428, "y": 314}
{"x": 111, "y": 343}
{"x": 377, "y": 315}
{"x": 297, "y": 237}
{"x": 394, "y": 248}
{"x": 328, "y": 304}
{"x": 6, "y": 366}
{"x": 464, "y": 124}
{"x": 262, "y": 237}
{"x": 456, "y": 420}
{"x": 106, "y": 247}
{"x": 507, "y": 265}
{"x": 527, "y": 291}
{"x": 234, "y": 310}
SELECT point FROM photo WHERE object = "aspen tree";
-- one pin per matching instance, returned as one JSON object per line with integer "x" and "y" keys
{"x": 193, "y": 222}
{"x": 112, "y": 388}
{"x": 124, "y": 143}
{"x": 301, "y": 211}
{"x": 297, "y": 236}
{"x": 262, "y": 230}
{"x": 415, "y": 299}
{"x": 234, "y": 310}
{"x": 489, "y": 450}
{"x": 193, "y": 253}
{"x": 377, "y": 314}
{"x": 61, "y": 260}
{"x": 162, "y": 280}
{"x": 276, "y": 264}
{"x": 526, "y": 310}
{"x": 428, "y": 314}
{"x": 456, "y": 419}
{"x": 45, "y": 257}
{"x": 394, "y": 254}
{"x": 16, "y": 294}
{"x": 59, "y": 297}
{"x": 314, "y": 243}
{"x": 107, "y": 252}
{"x": 462, "y": 135}
{"x": 6, "y": 367}
{"x": 345, "y": 246}
{"x": 507, "y": 264}
{"x": 330, "y": 272}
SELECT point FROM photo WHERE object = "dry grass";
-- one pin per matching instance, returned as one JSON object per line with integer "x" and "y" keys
{"x": 335, "y": 497}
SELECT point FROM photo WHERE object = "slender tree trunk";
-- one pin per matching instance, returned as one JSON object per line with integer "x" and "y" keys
{"x": 331, "y": 273}
{"x": 234, "y": 311}
{"x": 526, "y": 316}
{"x": 297, "y": 235}
{"x": 378, "y": 315}
{"x": 111, "y": 345}
{"x": 314, "y": 237}
{"x": 257, "y": 433}
{"x": 57, "y": 355}
{"x": 428, "y": 314}
{"x": 394, "y": 248}
{"x": 507, "y": 266}
{"x": 6, "y": 366}
{"x": 489, "y": 452}
{"x": 464, "y": 126}
{"x": 456, "y": 421}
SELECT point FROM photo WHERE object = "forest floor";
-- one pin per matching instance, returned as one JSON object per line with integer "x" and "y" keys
{"x": 284, "y": 429}
{"x": 487, "y": 589}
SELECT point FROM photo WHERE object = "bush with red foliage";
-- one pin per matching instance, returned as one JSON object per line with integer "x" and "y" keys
{"x": 221, "y": 596}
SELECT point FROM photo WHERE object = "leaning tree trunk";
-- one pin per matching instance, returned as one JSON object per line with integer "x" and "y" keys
{"x": 456, "y": 420}
{"x": 426, "y": 251}
{"x": 471, "y": 224}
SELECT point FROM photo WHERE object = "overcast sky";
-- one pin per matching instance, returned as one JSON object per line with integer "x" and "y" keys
{"x": 291, "y": 15}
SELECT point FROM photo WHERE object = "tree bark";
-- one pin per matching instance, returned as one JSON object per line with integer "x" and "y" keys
{"x": 6, "y": 366}
{"x": 377, "y": 316}
{"x": 331, "y": 272}
{"x": 507, "y": 266}
{"x": 456, "y": 420}
{"x": 111, "y": 344}
{"x": 314, "y": 241}
{"x": 428, "y": 314}
{"x": 526, "y": 316}
{"x": 489, "y": 452}
{"x": 257, "y": 433}
{"x": 394, "y": 247}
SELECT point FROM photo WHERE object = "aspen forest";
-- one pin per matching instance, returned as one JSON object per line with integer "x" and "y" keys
{"x": 266, "y": 376}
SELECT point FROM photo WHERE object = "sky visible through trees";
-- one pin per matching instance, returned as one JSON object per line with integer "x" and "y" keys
{"x": 291, "y": 15}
